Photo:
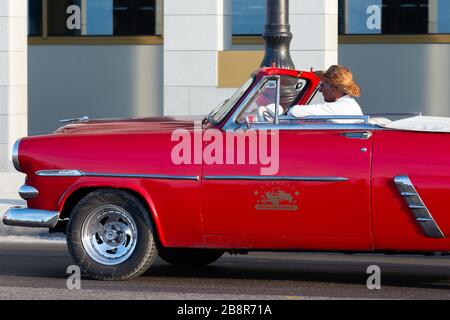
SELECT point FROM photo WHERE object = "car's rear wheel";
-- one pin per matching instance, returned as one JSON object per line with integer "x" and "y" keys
{"x": 189, "y": 257}
{"x": 110, "y": 235}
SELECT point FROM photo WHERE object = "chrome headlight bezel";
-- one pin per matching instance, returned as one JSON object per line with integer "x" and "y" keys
{"x": 15, "y": 155}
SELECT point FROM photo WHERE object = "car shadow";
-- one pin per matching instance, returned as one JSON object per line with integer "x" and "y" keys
{"x": 407, "y": 275}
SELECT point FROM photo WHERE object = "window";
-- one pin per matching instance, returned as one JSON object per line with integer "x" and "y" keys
{"x": 96, "y": 17}
{"x": 256, "y": 109}
{"x": 35, "y": 17}
{"x": 220, "y": 113}
{"x": 58, "y": 18}
{"x": 394, "y": 16}
{"x": 135, "y": 17}
{"x": 443, "y": 16}
{"x": 249, "y": 17}
{"x": 405, "y": 16}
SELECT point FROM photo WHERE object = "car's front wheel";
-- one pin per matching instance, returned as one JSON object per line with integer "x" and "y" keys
{"x": 110, "y": 235}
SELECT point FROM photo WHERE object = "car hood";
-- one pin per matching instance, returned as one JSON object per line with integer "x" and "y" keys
{"x": 131, "y": 125}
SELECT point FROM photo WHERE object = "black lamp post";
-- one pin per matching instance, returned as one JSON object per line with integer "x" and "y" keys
{"x": 277, "y": 35}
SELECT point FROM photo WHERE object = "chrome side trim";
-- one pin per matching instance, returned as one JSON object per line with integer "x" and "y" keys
{"x": 278, "y": 178}
{"x": 414, "y": 206}
{"x": 28, "y": 192}
{"x": 78, "y": 173}
{"x": 59, "y": 173}
{"x": 25, "y": 217}
{"x": 141, "y": 176}
{"x": 309, "y": 126}
{"x": 418, "y": 207}
{"x": 15, "y": 155}
{"x": 363, "y": 118}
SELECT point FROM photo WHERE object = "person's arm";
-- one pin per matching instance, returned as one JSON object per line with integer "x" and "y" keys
{"x": 321, "y": 109}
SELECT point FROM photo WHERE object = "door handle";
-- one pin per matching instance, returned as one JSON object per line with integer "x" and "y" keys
{"x": 358, "y": 135}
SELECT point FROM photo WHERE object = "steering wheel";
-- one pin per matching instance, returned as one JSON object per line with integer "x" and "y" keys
{"x": 266, "y": 114}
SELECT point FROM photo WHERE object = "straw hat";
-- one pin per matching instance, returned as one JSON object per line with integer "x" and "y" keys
{"x": 342, "y": 78}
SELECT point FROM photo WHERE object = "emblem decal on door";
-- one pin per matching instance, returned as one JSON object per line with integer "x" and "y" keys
{"x": 276, "y": 197}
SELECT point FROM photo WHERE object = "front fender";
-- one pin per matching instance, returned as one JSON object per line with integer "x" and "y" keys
{"x": 132, "y": 186}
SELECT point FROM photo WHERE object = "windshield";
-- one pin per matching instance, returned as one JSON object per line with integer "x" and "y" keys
{"x": 219, "y": 113}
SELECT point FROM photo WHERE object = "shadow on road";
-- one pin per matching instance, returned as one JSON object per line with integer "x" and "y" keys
{"x": 396, "y": 275}
{"x": 50, "y": 261}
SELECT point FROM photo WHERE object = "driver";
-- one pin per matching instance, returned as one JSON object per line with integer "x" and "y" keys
{"x": 338, "y": 89}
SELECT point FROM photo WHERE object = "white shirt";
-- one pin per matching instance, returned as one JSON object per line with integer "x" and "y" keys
{"x": 344, "y": 106}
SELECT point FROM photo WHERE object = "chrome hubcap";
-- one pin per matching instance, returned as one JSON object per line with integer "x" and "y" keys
{"x": 109, "y": 235}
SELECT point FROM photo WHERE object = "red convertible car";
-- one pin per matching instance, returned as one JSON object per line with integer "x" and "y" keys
{"x": 125, "y": 191}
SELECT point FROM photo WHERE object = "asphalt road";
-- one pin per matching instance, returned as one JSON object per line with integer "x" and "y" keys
{"x": 37, "y": 270}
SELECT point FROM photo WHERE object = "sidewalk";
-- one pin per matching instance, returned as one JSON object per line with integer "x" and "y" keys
{"x": 9, "y": 185}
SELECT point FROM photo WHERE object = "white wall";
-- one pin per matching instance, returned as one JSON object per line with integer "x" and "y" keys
{"x": 98, "y": 81}
{"x": 13, "y": 77}
{"x": 194, "y": 32}
{"x": 401, "y": 77}
{"x": 314, "y": 24}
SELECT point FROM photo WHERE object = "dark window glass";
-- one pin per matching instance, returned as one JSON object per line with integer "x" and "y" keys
{"x": 341, "y": 17}
{"x": 249, "y": 17}
{"x": 136, "y": 17}
{"x": 34, "y": 17}
{"x": 104, "y": 17}
{"x": 405, "y": 16}
{"x": 58, "y": 17}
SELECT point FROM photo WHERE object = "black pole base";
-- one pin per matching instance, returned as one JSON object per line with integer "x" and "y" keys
{"x": 277, "y": 51}
{"x": 277, "y": 35}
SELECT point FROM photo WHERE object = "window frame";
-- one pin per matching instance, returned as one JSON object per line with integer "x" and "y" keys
{"x": 321, "y": 122}
{"x": 430, "y": 37}
{"x": 46, "y": 39}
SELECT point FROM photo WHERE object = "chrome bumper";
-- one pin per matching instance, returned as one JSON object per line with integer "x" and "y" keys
{"x": 24, "y": 217}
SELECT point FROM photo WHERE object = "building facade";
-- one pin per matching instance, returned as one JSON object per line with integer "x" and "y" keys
{"x": 13, "y": 77}
{"x": 139, "y": 58}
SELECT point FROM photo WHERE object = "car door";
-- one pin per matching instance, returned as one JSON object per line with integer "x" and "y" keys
{"x": 316, "y": 195}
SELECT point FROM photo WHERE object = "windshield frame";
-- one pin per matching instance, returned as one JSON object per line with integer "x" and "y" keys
{"x": 221, "y": 112}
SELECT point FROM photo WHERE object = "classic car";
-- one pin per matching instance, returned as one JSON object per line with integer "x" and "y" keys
{"x": 125, "y": 191}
